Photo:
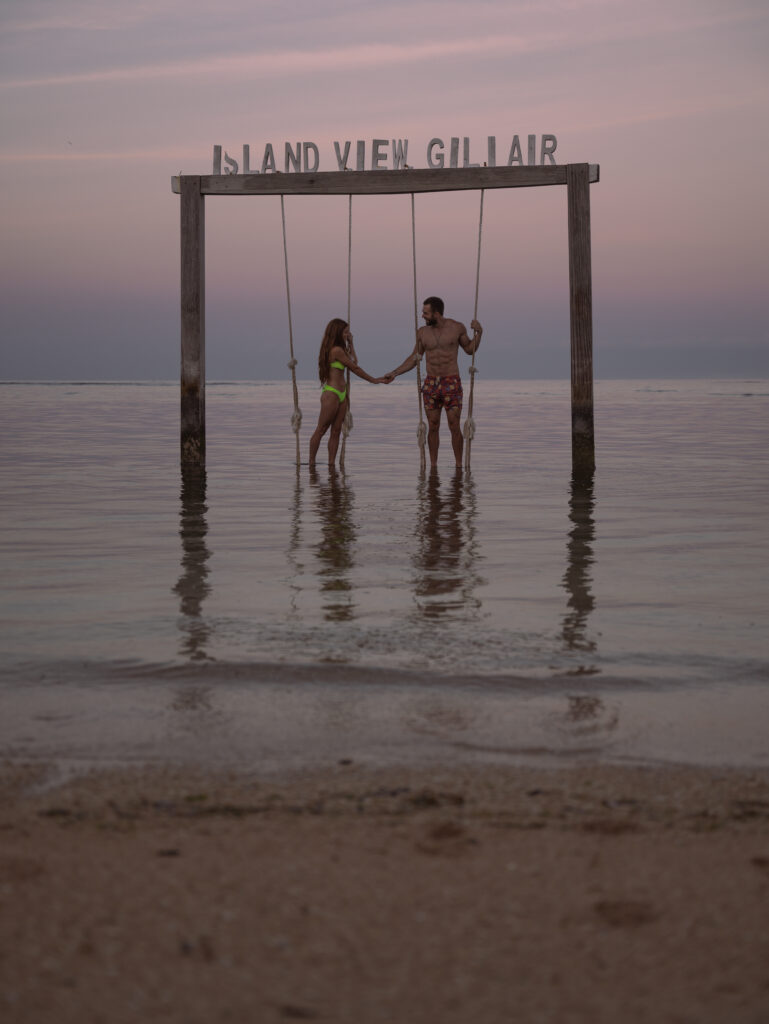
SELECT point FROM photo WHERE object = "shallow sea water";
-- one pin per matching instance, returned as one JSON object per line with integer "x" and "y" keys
{"x": 260, "y": 614}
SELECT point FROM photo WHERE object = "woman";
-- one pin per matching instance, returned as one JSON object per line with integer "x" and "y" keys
{"x": 336, "y": 354}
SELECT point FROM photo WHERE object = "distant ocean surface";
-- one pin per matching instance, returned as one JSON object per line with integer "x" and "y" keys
{"x": 258, "y": 614}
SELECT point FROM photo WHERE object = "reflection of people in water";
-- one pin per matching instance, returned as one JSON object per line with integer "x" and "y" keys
{"x": 577, "y": 579}
{"x": 446, "y": 550}
{"x": 193, "y": 586}
{"x": 335, "y": 503}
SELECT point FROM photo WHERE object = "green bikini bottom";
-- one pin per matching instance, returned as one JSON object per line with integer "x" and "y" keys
{"x": 341, "y": 395}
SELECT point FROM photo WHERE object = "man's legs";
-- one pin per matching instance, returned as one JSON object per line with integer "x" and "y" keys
{"x": 457, "y": 441}
{"x": 433, "y": 426}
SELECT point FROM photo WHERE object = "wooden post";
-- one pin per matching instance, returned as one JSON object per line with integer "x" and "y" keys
{"x": 581, "y": 310}
{"x": 193, "y": 362}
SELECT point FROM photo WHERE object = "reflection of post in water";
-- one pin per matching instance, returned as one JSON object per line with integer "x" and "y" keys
{"x": 335, "y": 502}
{"x": 193, "y": 586}
{"x": 577, "y": 579}
{"x": 446, "y": 546}
{"x": 295, "y": 538}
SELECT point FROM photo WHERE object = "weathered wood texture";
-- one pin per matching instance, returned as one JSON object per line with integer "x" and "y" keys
{"x": 581, "y": 309}
{"x": 380, "y": 182}
{"x": 193, "y": 322}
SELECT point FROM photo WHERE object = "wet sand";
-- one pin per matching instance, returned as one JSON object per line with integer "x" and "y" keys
{"x": 494, "y": 893}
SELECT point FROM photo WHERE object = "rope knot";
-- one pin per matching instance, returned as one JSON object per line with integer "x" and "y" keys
{"x": 347, "y": 423}
{"x": 472, "y": 369}
{"x": 296, "y": 420}
{"x": 421, "y": 434}
{"x": 469, "y": 429}
{"x": 292, "y": 364}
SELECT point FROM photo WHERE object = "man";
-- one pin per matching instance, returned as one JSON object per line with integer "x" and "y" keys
{"x": 439, "y": 340}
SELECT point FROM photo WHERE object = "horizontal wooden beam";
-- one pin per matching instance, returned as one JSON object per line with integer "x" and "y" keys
{"x": 451, "y": 179}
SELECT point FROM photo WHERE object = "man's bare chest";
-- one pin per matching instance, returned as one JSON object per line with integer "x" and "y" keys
{"x": 441, "y": 339}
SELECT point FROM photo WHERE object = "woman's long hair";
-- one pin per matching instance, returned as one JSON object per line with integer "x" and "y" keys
{"x": 333, "y": 337}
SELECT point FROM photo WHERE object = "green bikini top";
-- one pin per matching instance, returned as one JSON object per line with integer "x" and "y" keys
{"x": 337, "y": 365}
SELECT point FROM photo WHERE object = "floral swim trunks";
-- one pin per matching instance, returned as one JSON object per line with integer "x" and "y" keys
{"x": 442, "y": 393}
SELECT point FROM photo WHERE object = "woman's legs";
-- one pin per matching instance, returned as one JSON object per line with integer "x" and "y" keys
{"x": 329, "y": 408}
{"x": 336, "y": 430}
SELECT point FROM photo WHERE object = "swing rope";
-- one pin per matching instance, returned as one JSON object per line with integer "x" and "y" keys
{"x": 347, "y": 424}
{"x": 296, "y": 418}
{"x": 421, "y": 429}
{"x": 469, "y": 427}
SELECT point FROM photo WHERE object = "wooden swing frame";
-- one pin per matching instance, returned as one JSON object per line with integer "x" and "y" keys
{"x": 194, "y": 188}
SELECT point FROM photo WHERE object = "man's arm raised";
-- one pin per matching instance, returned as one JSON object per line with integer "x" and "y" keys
{"x": 470, "y": 345}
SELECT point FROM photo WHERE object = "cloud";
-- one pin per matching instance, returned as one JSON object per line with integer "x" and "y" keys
{"x": 422, "y": 49}
{"x": 670, "y": 112}
{"x": 289, "y": 62}
{"x": 72, "y": 155}
{"x": 93, "y": 16}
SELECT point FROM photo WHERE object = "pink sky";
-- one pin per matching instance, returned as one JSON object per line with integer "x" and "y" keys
{"x": 103, "y": 101}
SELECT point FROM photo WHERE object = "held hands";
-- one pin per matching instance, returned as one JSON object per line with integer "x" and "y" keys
{"x": 388, "y": 378}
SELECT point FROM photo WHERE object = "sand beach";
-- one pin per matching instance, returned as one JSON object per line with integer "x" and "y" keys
{"x": 587, "y": 892}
